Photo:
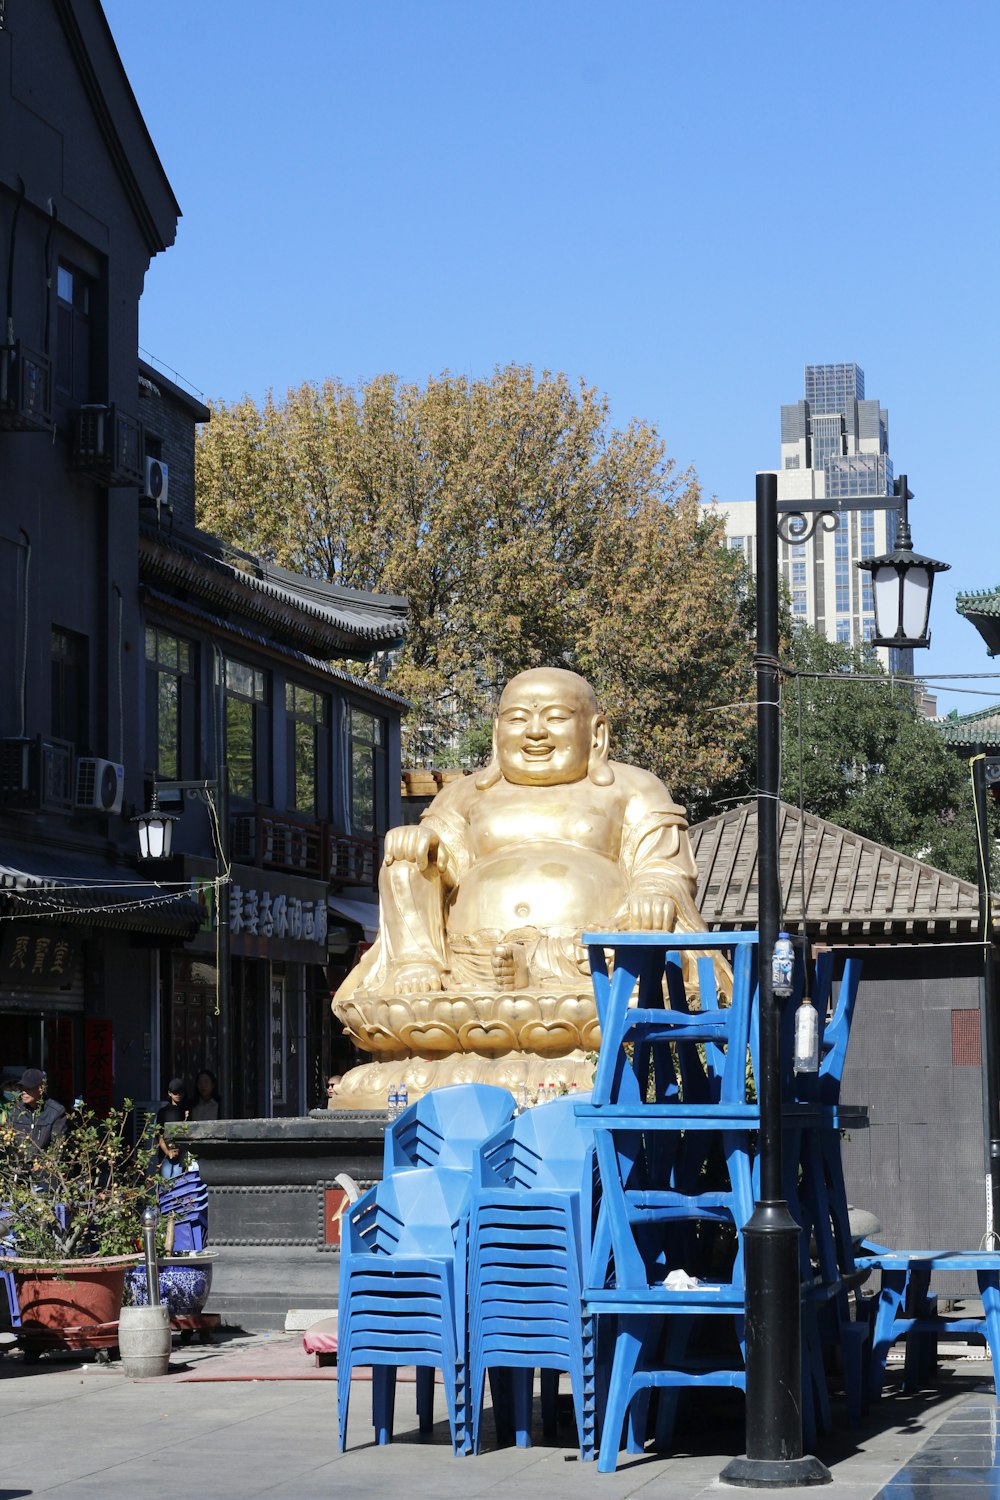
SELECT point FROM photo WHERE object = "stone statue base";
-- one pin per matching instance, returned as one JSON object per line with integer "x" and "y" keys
{"x": 367, "y": 1086}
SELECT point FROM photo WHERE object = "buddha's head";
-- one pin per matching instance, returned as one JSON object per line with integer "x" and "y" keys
{"x": 548, "y": 731}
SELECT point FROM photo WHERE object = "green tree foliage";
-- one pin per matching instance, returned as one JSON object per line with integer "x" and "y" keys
{"x": 869, "y": 762}
{"x": 524, "y": 531}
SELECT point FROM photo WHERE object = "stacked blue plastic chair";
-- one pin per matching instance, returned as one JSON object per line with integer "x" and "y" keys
{"x": 532, "y": 1187}
{"x": 402, "y": 1296}
{"x": 185, "y": 1199}
{"x": 658, "y": 1106}
{"x": 446, "y": 1127}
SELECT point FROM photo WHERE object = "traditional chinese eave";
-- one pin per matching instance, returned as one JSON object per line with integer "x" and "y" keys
{"x": 982, "y": 609}
{"x": 320, "y": 619}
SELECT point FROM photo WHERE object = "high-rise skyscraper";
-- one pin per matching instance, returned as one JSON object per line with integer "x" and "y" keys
{"x": 834, "y": 447}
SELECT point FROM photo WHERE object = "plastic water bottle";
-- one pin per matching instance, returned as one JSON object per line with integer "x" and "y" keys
{"x": 806, "y": 1058}
{"x": 392, "y": 1104}
{"x": 782, "y": 966}
{"x": 402, "y": 1098}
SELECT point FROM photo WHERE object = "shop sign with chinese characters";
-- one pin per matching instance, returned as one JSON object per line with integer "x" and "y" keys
{"x": 270, "y": 916}
{"x": 36, "y": 958}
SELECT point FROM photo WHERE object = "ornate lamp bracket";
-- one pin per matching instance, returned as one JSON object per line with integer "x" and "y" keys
{"x": 796, "y": 526}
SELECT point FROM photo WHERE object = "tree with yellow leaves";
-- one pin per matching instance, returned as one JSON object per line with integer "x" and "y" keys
{"x": 524, "y": 530}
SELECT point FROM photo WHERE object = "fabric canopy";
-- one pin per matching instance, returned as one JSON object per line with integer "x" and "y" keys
{"x": 364, "y": 913}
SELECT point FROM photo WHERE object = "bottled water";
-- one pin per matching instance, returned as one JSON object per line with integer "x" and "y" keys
{"x": 392, "y": 1104}
{"x": 402, "y": 1098}
{"x": 806, "y": 1058}
{"x": 782, "y": 966}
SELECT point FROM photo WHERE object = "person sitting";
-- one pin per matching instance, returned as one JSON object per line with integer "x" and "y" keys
{"x": 41, "y": 1120}
{"x": 206, "y": 1106}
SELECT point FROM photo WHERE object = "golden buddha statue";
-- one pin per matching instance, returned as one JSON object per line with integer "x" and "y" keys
{"x": 478, "y": 972}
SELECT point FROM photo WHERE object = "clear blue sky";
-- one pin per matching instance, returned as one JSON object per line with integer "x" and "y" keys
{"x": 681, "y": 203}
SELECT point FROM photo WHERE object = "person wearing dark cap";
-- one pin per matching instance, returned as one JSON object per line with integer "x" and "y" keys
{"x": 41, "y": 1120}
{"x": 176, "y": 1106}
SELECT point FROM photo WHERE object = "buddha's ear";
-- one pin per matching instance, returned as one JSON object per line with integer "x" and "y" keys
{"x": 490, "y": 774}
{"x": 599, "y": 769}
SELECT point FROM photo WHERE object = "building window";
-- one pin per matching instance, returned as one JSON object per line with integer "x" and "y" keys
{"x": 70, "y": 688}
{"x": 74, "y": 334}
{"x": 843, "y": 631}
{"x": 171, "y": 705}
{"x": 308, "y": 754}
{"x": 369, "y": 782}
{"x": 248, "y": 731}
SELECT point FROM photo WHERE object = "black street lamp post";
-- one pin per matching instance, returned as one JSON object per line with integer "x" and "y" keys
{"x": 155, "y": 830}
{"x": 774, "y": 1454}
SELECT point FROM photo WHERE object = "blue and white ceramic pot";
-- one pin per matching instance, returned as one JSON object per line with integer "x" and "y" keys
{"x": 185, "y": 1282}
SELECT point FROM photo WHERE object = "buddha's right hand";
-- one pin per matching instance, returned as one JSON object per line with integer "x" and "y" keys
{"x": 415, "y": 845}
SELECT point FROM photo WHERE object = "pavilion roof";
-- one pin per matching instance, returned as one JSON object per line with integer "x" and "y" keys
{"x": 854, "y": 888}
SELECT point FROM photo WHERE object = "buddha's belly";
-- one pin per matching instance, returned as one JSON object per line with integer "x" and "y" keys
{"x": 549, "y": 886}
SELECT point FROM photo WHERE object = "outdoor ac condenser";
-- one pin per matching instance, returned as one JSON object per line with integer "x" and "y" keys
{"x": 100, "y": 785}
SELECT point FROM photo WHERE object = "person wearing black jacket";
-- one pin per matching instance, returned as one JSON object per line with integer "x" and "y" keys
{"x": 40, "y": 1120}
{"x": 172, "y": 1113}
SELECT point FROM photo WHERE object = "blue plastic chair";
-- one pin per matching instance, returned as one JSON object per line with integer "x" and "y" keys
{"x": 653, "y": 963}
{"x": 402, "y": 1296}
{"x": 445, "y": 1127}
{"x": 533, "y": 1185}
{"x": 186, "y": 1198}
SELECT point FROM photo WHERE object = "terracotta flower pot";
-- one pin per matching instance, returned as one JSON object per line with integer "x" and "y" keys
{"x": 69, "y": 1304}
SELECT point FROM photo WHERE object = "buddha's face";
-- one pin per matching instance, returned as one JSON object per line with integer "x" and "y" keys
{"x": 546, "y": 728}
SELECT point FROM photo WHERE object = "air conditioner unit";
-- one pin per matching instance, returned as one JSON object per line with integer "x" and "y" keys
{"x": 155, "y": 485}
{"x": 36, "y": 774}
{"x": 100, "y": 785}
{"x": 108, "y": 445}
{"x": 25, "y": 389}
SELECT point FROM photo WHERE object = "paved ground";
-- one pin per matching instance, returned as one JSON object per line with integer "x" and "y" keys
{"x": 244, "y": 1427}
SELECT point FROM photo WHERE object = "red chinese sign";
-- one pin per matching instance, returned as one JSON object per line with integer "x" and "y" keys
{"x": 98, "y": 1065}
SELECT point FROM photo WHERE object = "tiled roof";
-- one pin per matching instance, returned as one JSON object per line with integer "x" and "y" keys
{"x": 983, "y": 602}
{"x": 853, "y": 887}
{"x": 983, "y": 611}
{"x": 979, "y": 728}
{"x": 321, "y": 618}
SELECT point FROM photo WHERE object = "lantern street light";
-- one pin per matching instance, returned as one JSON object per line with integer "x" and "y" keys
{"x": 774, "y": 1456}
{"x": 155, "y": 828}
{"x": 902, "y": 581}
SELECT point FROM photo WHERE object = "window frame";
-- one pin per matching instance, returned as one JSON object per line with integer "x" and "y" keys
{"x": 377, "y": 747}
{"x": 158, "y": 668}
{"x": 255, "y": 691}
{"x": 307, "y": 708}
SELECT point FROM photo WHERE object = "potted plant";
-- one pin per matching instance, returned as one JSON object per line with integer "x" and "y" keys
{"x": 71, "y": 1221}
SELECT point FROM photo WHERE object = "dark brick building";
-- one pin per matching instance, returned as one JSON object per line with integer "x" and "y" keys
{"x": 139, "y": 651}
